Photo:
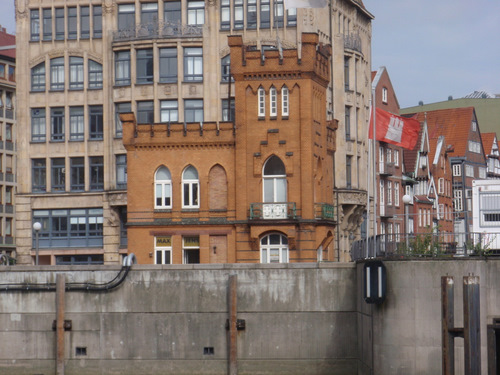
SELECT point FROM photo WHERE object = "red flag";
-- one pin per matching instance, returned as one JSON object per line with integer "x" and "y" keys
{"x": 399, "y": 131}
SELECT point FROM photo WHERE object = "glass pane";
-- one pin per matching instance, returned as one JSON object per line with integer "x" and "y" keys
{"x": 274, "y": 239}
{"x": 190, "y": 173}
{"x": 280, "y": 190}
{"x": 163, "y": 174}
{"x": 274, "y": 166}
{"x": 268, "y": 190}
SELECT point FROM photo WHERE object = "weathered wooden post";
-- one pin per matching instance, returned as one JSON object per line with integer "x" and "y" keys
{"x": 233, "y": 332}
{"x": 472, "y": 327}
{"x": 60, "y": 312}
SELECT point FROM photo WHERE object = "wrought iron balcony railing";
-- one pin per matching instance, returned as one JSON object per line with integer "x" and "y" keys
{"x": 353, "y": 42}
{"x": 324, "y": 211}
{"x": 158, "y": 30}
{"x": 273, "y": 211}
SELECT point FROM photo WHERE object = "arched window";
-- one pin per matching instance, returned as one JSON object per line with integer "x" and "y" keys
{"x": 190, "y": 188}
{"x": 217, "y": 188}
{"x": 273, "y": 102}
{"x": 38, "y": 77}
{"x": 274, "y": 180}
{"x": 285, "y": 108}
{"x": 274, "y": 248}
{"x": 163, "y": 188}
{"x": 262, "y": 102}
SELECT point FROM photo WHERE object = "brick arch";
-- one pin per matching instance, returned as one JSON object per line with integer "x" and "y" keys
{"x": 217, "y": 188}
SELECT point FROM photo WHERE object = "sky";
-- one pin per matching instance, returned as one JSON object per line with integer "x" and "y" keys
{"x": 434, "y": 49}
{"x": 431, "y": 48}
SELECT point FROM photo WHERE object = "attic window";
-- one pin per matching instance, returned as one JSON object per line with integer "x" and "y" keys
{"x": 384, "y": 95}
{"x": 474, "y": 126}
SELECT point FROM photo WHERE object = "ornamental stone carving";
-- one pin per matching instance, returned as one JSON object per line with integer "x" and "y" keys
{"x": 21, "y": 9}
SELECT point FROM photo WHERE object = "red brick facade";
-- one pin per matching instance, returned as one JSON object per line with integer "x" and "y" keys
{"x": 264, "y": 183}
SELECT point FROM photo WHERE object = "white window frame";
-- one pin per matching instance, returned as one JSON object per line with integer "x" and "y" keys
{"x": 457, "y": 170}
{"x": 165, "y": 185}
{"x": 441, "y": 185}
{"x": 285, "y": 104}
{"x": 186, "y": 247}
{"x": 281, "y": 247}
{"x": 276, "y": 183}
{"x": 389, "y": 193}
{"x": 384, "y": 95}
{"x": 396, "y": 157}
{"x": 261, "y": 102}
{"x": 193, "y": 188}
{"x": 469, "y": 170}
{"x": 396, "y": 194}
{"x": 273, "y": 102}
{"x": 457, "y": 201}
{"x": 165, "y": 251}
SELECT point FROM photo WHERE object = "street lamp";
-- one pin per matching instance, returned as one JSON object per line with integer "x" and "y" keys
{"x": 406, "y": 201}
{"x": 36, "y": 227}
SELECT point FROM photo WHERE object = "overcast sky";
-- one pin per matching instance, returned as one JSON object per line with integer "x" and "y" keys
{"x": 431, "y": 48}
{"x": 436, "y": 48}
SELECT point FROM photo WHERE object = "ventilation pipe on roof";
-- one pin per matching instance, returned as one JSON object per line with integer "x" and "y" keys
{"x": 450, "y": 97}
{"x": 420, "y": 103}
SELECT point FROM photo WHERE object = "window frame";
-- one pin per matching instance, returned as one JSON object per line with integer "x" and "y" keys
{"x": 167, "y": 112}
{"x": 72, "y": 15}
{"x": 195, "y": 12}
{"x": 145, "y": 112}
{"x": 57, "y": 175}
{"x": 38, "y": 77}
{"x": 121, "y": 171}
{"x": 276, "y": 183}
{"x": 273, "y": 102}
{"x": 193, "y": 64}
{"x": 163, "y": 189}
{"x": 285, "y": 102}
{"x": 190, "y": 189}
{"x": 266, "y": 248}
{"x": 77, "y": 174}
{"x": 76, "y": 123}
{"x": 40, "y": 125}
{"x": 57, "y": 124}
{"x": 95, "y": 74}
{"x": 34, "y": 25}
{"x": 122, "y": 68}
{"x": 38, "y": 175}
{"x": 193, "y": 110}
{"x": 144, "y": 66}
{"x": 96, "y": 122}
{"x": 168, "y": 65}
{"x": 57, "y": 74}
{"x": 96, "y": 173}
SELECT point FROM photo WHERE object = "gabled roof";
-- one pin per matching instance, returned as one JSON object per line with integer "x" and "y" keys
{"x": 454, "y": 124}
{"x": 488, "y": 140}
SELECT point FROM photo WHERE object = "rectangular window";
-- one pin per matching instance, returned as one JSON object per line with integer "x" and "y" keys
{"x": 57, "y": 73}
{"x": 278, "y": 11}
{"x": 38, "y": 77}
{"x": 58, "y": 174}
{"x": 172, "y": 12}
{"x": 346, "y": 73}
{"x": 62, "y": 228}
{"x": 38, "y": 176}
{"x": 8, "y": 132}
{"x": 273, "y": 102}
{"x": 95, "y": 75}
{"x": 291, "y": 17}
{"x": 265, "y": 14}
{"x": 145, "y": 66}
{"x": 121, "y": 171}
{"x": 122, "y": 68}
{"x": 225, "y": 15}
{"x": 238, "y": 7}
{"x": 57, "y": 124}
{"x": 396, "y": 157}
{"x": 482, "y": 172}
{"x": 149, "y": 13}
{"x": 396, "y": 193}
{"x": 169, "y": 111}
{"x": 38, "y": 125}
{"x": 47, "y": 23}
{"x": 126, "y": 17}
{"x": 77, "y": 166}
{"x": 193, "y": 110}
{"x": 120, "y": 108}
{"x": 457, "y": 200}
{"x": 469, "y": 170}
{"x": 163, "y": 250}
{"x": 251, "y": 14}
{"x": 196, "y": 12}
{"x": 285, "y": 107}
{"x": 348, "y": 171}
{"x": 8, "y": 195}
{"x": 59, "y": 13}
{"x": 96, "y": 127}
{"x": 457, "y": 170}
{"x": 389, "y": 193}
{"x": 34, "y": 24}
{"x": 168, "y": 65}
{"x": 145, "y": 112}
{"x": 193, "y": 64}
{"x": 262, "y": 102}
{"x": 84, "y": 22}
{"x": 76, "y": 124}
{"x": 72, "y": 22}
{"x": 8, "y": 226}
{"x": 441, "y": 185}
{"x": 76, "y": 73}
{"x": 228, "y": 111}
{"x": 226, "y": 68}
{"x": 97, "y": 21}
{"x": 347, "y": 123}
{"x": 96, "y": 169}
{"x": 191, "y": 249}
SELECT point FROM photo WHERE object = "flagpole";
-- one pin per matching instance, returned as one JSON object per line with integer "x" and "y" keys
{"x": 374, "y": 165}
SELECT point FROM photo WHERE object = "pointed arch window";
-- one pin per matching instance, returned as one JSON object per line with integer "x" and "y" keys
{"x": 274, "y": 181}
{"x": 285, "y": 106}
{"x": 163, "y": 188}
{"x": 262, "y": 102}
{"x": 273, "y": 102}
{"x": 274, "y": 248}
{"x": 190, "y": 188}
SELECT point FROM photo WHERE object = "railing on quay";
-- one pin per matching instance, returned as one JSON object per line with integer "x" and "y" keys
{"x": 433, "y": 244}
{"x": 158, "y": 30}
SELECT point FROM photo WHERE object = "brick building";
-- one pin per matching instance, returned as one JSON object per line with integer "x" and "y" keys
{"x": 254, "y": 190}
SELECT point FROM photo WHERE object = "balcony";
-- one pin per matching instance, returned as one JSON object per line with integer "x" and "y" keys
{"x": 273, "y": 211}
{"x": 352, "y": 42}
{"x": 387, "y": 169}
{"x": 158, "y": 30}
{"x": 324, "y": 211}
{"x": 387, "y": 212}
